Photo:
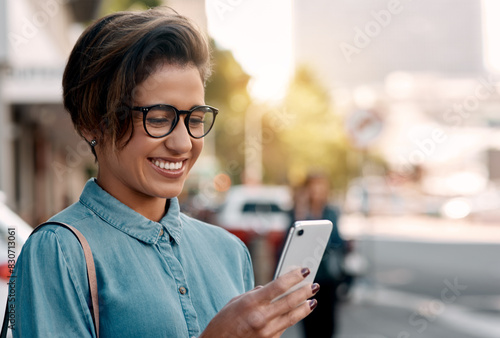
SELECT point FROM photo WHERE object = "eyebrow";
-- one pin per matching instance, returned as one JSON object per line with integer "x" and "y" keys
{"x": 167, "y": 104}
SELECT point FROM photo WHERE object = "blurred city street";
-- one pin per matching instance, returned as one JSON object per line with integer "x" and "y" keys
{"x": 430, "y": 278}
{"x": 396, "y": 103}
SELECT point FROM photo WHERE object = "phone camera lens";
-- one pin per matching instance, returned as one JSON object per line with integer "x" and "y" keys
{"x": 300, "y": 232}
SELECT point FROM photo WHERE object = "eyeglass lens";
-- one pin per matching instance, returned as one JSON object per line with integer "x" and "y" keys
{"x": 161, "y": 120}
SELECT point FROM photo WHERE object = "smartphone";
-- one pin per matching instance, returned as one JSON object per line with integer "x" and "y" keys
{"x": 304, "y": 248}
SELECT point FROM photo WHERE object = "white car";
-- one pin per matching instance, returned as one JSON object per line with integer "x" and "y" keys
{"x": 14, "y": 232}
{"x": 256, "y": 210}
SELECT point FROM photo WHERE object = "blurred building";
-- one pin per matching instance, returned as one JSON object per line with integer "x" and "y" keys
{"x": 420, "y": 66}
{"x": 3, "y": 30}
{"x": 361, "y": 42}
{"x": 194, "y": 9}
{"x": 43, "y": 161}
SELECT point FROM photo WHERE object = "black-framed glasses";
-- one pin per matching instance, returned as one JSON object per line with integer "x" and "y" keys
{"x": 161, "y": 119}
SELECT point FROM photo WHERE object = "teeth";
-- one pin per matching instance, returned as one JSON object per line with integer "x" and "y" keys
{"x": 168, "y": 165}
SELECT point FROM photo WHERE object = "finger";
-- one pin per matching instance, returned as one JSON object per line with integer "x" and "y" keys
{"x": 291, "y": 318}
{"x": 294, "y": 299}
{"x": 283, "y": 283}
{"x": 243, "y": 294}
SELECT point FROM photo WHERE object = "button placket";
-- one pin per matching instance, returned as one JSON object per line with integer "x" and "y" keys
{"x": 168, "y": 249}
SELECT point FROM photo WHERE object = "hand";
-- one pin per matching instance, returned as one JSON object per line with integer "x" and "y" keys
{"x": 253, "y": 314}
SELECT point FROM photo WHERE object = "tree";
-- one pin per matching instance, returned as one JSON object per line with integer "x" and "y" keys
{"x": 309, "y": 135}
{"x": 227, "y": 90}
{"x": 111, "y": 6}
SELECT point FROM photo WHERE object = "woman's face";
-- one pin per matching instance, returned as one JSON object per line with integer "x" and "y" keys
{"x": 318, "y": 190}
{"x": 132, "y": 173}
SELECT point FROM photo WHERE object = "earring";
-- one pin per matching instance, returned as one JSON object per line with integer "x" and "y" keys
{"x": 93, "y": 143}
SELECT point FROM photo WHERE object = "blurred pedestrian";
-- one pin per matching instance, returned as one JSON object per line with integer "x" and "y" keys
{"x": 134, "y": 86}
{"x": 312, "y": 202}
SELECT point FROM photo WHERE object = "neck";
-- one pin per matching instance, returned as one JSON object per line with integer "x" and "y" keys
{"x": 153, "y": 208}
{"x": 316, "y": 210}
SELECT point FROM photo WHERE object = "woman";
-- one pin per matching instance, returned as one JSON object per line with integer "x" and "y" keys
{"x": 134, "y": 86}
{"x": 312, "y": 203}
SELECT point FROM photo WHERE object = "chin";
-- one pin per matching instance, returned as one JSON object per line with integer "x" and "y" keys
{"x": 170, "y": 192}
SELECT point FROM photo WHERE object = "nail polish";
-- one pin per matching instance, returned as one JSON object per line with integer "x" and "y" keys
{"x": 312, "y": 304}
{"x": 305, "y": 272}
{"x": 315, "y": 288}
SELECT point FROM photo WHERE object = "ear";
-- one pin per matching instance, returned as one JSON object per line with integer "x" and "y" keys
{"x": 88, "y": 136}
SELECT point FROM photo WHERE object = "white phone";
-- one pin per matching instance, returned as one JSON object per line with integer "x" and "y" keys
{"x": 304, "y": 248}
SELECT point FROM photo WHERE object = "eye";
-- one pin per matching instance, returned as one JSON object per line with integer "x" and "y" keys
{"x": 160, "y": 116}
{"x": 197, "y": 119}
{"x": 158, "y": 121}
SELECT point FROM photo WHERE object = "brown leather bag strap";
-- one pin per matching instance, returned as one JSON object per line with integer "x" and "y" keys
{"x": 91, "y": 277}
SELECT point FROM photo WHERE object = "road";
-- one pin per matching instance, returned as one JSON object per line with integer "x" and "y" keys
{"x": 436, "y": 281}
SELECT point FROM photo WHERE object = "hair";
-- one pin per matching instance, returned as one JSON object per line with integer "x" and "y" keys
{"x": 314, "y": 176}
{"x": 116, "y": 54}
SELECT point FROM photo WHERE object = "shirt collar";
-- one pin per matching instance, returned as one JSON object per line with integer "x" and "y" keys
{"x": 127, "y": 220}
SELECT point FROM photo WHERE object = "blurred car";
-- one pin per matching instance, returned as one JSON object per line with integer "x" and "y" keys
{"x": 483, "y": 207}
{"x": 374, "y": 195}
{"x": 256, "y": 211}
{"x": 14, "y": 232}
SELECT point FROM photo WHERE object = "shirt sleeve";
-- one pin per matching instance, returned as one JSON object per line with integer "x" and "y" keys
{"x": 336, "y": 241}
{"x": 51, "y": 288}
{"x": 249, "y": 276}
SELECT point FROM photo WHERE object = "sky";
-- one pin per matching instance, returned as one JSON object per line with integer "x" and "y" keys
{"x": 491, "y": 33}
{"x": 259, "y": 32}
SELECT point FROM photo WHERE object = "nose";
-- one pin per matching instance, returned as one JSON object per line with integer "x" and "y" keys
{"x": 179, "y": 141}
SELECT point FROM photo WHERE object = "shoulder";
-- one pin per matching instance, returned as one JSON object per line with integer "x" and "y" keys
{"x": 55, "y": 253}
{"x": 51, "y": 240}
{"x": 74, "y": 215}
{"x": 332, "y": 211}
{"x": 209, "y": 232}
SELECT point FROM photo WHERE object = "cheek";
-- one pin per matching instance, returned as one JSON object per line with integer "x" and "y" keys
{"x": 198, "y": 146}
{"x": 137, "y": 150}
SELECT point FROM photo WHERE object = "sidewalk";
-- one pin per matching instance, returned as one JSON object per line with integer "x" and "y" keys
{"x": 384, "y": 313}
{"x": 419, "y": 228}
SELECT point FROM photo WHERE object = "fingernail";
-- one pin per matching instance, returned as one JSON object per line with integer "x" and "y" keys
{"x": 315, "y": 288}
{"x": 312, "y": 304}
{"x": 305, "y": 272}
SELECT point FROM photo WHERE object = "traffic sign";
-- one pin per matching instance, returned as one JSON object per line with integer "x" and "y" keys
{"x": 363, "y": 127}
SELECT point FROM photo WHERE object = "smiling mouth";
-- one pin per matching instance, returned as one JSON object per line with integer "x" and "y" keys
{"x": 166, "y": 165}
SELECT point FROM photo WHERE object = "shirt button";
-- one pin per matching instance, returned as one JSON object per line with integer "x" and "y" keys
{"x": 161, "y": 232}
{"x": 182, "y": 290}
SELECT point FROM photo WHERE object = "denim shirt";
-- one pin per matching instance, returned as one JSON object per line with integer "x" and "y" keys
{"x": 155, "y": 279}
